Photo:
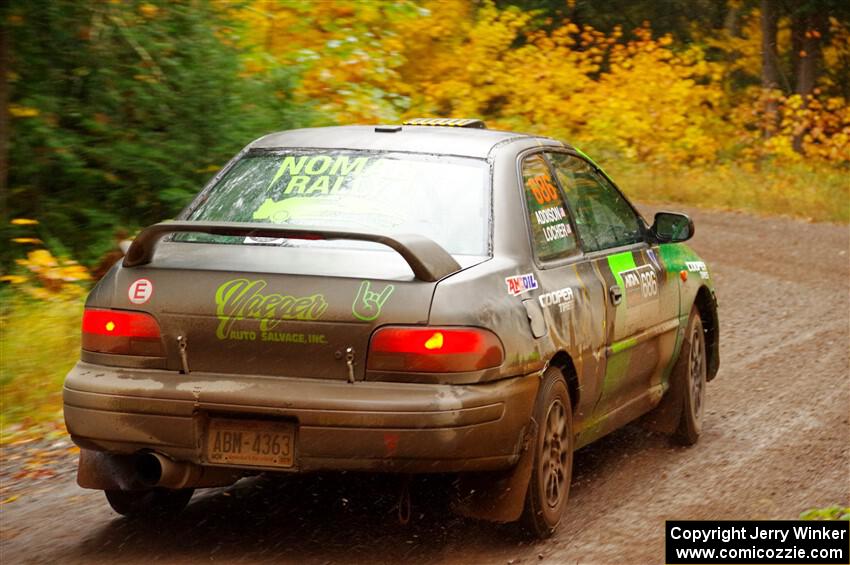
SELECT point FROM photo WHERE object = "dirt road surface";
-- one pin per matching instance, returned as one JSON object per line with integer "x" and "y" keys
{"x": 776, "y": 442}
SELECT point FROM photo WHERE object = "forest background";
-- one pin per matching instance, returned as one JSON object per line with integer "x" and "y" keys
{"x": 114, "y": 113}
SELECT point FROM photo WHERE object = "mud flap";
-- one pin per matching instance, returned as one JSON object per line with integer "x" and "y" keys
{"x": 665, "y": 417}
{"x": 497, "y": 496}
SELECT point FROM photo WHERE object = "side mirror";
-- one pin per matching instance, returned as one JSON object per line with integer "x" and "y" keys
{"x": 670, "y": 227}
{"x": 124, "y": 245}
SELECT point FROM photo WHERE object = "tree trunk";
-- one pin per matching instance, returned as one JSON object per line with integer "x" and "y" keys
{"x": 4, "y": 123}
{"x": 810, "y": 54}
{"x": 731, "y": 23}
{"x": 808, "y": 30}
{"x": 769, "y": 65}
{"x": 798, "y": 31}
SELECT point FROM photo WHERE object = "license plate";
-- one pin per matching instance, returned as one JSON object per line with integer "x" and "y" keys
{"x": 251, "y": 443}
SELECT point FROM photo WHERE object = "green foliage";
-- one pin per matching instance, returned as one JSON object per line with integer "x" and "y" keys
{"x": 121, "y": 110}
{"x": 834, "y": 512}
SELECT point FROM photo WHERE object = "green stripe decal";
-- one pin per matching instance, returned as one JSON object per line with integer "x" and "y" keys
{"x": 623, "y": 345}
{"x": 617, "y": 364}
{"x": 619, "y": 263}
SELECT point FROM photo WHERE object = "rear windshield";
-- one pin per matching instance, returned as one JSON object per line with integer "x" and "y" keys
{"x": 443, "y": 198}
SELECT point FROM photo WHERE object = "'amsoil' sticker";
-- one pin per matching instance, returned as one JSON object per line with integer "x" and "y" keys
{"x": 521, "y": 283}
{"x": 140, "y": 291}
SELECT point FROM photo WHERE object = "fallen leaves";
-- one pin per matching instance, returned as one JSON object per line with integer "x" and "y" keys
{"x": 34, "y": 456}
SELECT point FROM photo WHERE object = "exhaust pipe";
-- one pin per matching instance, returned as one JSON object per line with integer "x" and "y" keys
{"x": 142, "y": 470}
{"x": 155, "y": 470}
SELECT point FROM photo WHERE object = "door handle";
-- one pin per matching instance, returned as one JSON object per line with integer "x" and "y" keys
{"x": 616, "y": 294}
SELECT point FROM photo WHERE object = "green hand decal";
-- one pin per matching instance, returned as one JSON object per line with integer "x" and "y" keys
{"x": 367, "y": 304}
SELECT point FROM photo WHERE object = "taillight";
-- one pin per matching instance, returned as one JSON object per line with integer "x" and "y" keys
{"x": 433, "y": 349}
{"x": 121, "y": 332}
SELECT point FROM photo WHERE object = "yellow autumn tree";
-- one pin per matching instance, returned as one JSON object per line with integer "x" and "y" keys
{"x": 643, "y": 96}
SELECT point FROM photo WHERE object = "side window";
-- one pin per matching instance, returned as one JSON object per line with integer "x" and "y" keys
{"x": 603, "y": 217}
{"x": 550, "y": 226}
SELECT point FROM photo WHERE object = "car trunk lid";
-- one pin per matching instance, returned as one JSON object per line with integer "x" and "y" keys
{"x": 273, "y": 310}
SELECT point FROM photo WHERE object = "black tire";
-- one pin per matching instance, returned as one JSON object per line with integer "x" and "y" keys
{"x": 149, "y": 502}
{"x": 552, "y": 469}
{"x": 688, "y": 380}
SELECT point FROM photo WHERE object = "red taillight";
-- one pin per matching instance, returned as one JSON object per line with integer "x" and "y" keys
{"x": 434, "y": 350}
{"x": 121, "y": 332}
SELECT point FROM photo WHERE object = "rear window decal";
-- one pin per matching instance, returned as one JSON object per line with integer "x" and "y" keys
{"x": 368, "y": 303}
{"x": 311, "y": 209}
{"x": 444, "y": 199}
{"x": 242, "y": 299}
{"x": 520, "y": 284}
{"x": 322, "y": 174}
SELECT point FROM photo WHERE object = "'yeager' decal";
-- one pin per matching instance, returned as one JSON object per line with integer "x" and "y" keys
{"x": 242, "y": 299}
{"x": 368, "y": 303}
{"x": 520, "y": 284}
{"x": 562, "y": 298}
{"x": 641, "y": 285}
{"x": 140, "y": 291}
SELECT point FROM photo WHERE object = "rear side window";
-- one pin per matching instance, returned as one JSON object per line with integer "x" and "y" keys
{"x": 446, "y": 199}
{"x": 604, "y": 219}
{"x": 551, "y": 232}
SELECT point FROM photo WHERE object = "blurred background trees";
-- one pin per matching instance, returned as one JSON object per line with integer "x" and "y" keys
{"x": 116, "y": 112}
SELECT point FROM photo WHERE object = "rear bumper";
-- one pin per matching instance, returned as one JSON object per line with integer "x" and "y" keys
{"x": 361, "y": 426}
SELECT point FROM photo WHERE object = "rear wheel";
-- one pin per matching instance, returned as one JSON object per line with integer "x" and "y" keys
{"x": 689, "y": 380}
{"x": 551, "y": 473}
{"x": 149, "y": 502}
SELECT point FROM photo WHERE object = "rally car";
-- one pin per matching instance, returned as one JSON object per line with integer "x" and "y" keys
{"x": 432, "y": 297}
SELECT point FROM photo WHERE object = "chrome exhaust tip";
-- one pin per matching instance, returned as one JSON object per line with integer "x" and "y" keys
{"x": 156, "y": 470}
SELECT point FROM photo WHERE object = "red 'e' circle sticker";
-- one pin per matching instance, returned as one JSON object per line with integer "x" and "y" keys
{"x": 140, "y": 291}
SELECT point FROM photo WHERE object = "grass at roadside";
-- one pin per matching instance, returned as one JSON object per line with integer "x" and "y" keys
{"x": 835, "y": 512}
{"x": 39, "y": 342}
{"x": 798, "y": 190}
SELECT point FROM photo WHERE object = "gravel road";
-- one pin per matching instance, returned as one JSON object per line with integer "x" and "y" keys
{"x": 776, "y": 441}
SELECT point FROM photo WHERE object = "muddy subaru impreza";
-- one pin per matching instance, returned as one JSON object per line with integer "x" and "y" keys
{"x": 408, "y": 299}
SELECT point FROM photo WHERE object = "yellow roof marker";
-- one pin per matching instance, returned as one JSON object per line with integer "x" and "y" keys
{"x": 446, "y": 122}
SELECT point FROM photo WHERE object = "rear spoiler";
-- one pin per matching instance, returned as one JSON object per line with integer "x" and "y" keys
{"x": 426, "y": 258}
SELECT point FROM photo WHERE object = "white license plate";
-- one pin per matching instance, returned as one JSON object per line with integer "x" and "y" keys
{"x": 251, "y": 443}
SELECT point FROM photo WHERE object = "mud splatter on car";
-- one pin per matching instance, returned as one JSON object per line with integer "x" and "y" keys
{"x": 413, "y": 299}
